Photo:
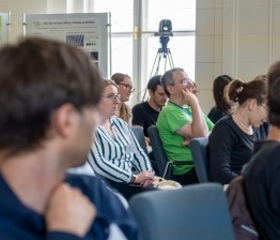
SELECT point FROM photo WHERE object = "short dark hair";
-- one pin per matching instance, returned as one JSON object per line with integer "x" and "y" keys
{"x": 273, "y": 100}
{"x": 218, "y": 93}
{"x": 167, "y": 79}
{"x": 37, "y": 76}
{"x": 154, "y": 82}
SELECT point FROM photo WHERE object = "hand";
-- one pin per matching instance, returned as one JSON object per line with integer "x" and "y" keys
{"x": 147, "y": 183}
{"x": 147, "y": 141}
{"x": 69, "y": 211}
{"x": 189, "y": 97}
{"x": 143, "y": 176}
{"x": 186, "y": 142}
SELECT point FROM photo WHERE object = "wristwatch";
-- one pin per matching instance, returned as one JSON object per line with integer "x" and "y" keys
{"x": 132, "y": 179}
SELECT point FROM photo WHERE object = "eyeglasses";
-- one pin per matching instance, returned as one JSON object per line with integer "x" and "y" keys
{"x": 182, "y": 81}
{"x": 112, "y": 96}
{"x": 128, "y": 87}
{"x": 264, "y": 106}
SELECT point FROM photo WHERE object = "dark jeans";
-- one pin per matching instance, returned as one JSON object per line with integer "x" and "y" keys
{"x": 128, "y": 190}
{"x": 187, "y": 178}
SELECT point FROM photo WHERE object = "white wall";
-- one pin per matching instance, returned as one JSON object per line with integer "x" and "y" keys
{"x": 18, "y": 7}
{"x": 236, "y": 37}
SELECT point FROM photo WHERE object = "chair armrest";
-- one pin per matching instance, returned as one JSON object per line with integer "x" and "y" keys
{"x": 182, "y": 162}
{"x": 167, "y": 170}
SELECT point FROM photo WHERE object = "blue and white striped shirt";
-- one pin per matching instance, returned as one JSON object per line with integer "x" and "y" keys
{"x": 114, "y": 158}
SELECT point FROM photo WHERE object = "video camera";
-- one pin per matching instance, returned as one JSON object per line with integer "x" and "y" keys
{"x": 165, "y": 28}
{"x": 164, "y": 32}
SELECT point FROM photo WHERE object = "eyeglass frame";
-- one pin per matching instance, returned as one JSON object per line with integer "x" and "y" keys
{"x": 182, "y": 81}
{"x": 128, "y": 87}
{"x": 264, "y": 106}
{"x": 112, "y": 96}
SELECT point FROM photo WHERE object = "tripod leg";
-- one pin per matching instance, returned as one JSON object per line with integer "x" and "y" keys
{"x": 159, "y": 60}
{"x": 170, "y": 59}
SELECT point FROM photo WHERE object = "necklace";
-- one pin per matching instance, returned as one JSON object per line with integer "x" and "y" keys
{"x": 246, "y": 129}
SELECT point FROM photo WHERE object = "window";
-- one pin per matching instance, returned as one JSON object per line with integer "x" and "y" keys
{"x": 136, "y": 57}
{"x": 121, "y": 29}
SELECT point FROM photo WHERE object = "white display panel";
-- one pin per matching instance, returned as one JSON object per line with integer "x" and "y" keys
{"x": 89, "y": 31}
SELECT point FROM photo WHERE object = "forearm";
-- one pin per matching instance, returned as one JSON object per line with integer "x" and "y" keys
{"x": 114, "y": 173}
{"x": 109, "y": 170}
{"x": 222, "y": 174}
{"x": 198, "y": 125}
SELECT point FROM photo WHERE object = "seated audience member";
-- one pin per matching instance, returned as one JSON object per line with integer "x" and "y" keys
{"x": 146, "y": 113}
{"x": 49, "y": 96}
{"x": 223, "y": 106}
{"x": 261, "y": 175}
{"x": 176, "y": 123}
{"x": 116, "y": 151}
{"x": 232, "y": 139}
{"x": 125, "y": 90}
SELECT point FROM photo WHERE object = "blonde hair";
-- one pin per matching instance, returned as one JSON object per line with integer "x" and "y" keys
{"x": 125, "y": 113}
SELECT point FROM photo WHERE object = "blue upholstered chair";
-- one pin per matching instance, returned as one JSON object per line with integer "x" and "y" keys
{"x": 200, "y": 154}
{"x": 138, "y": 133}
{"x": 163, "y": 163}
{"x": 194, "y": 212}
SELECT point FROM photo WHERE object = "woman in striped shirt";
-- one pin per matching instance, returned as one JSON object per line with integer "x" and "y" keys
{"x": 116, "y": 154}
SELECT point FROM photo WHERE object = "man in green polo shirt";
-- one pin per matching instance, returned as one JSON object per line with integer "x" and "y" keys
{"x": 181, "y": 120}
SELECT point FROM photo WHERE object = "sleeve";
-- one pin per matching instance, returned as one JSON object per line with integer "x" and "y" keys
{"x": 221, "y": 142}
{"x": 138, "y": 116}
{"x": 110, "y": 209}
{"x": 57, "y": 235}
{"x": 119, "y": 215}
{"x": 104, "y": 167}
{"x": 140, "y": 159}
{"x": 176, "y": 118}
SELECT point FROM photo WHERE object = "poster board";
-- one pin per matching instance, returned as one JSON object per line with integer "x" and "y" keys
{"x": 4, "y": 27}
{"x": 89, "y": 31}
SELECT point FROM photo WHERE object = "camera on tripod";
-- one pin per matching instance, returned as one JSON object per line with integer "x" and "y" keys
{"x": 163, "y": 53}
{"x": 164, "y": 32}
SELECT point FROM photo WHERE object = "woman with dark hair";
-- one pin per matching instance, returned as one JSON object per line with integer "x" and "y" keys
{"x": 232, "y": 138}
{"x": 223, "y": 106}
{"x": 261, "y": 175}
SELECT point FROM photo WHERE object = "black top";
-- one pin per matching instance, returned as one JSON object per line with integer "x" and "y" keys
{"x": 215, "y": 114}
{"x": 230, "y": 148}
{"x": 262, "y": 180}
{"x": 144, "y": 115}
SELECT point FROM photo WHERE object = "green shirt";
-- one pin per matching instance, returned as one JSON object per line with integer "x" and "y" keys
{"x": 171, "y": 118}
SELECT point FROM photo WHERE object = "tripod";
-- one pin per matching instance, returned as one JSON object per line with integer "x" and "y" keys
{"x": 162, "y": 53}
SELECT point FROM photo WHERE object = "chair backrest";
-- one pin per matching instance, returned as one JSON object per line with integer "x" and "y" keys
{"x": 200, "y": 154}
{"x": 138, "y": 133}
{"x": 159, "y": 153}
{"x": 194, "y": 212}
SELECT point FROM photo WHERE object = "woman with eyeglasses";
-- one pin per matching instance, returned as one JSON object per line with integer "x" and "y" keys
{"x": 116, "y": 154}
{"x": 125, "y": 90}
{"x": 232, "y": 139}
